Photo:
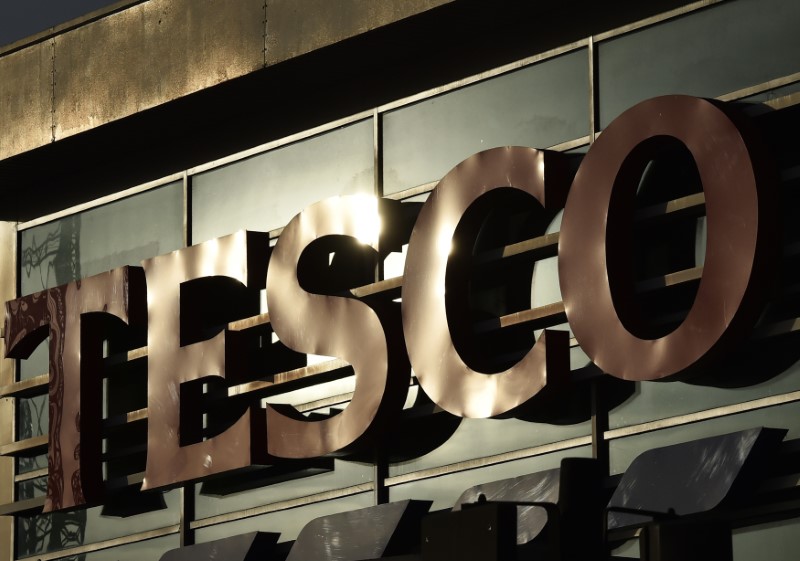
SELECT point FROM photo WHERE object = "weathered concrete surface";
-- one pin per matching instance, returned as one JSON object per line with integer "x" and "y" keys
{"x": 296, "y": 27}
{"x": 152, "y": 53}
{"x": 25, "y": 99}
{"x": 160, "y": 50}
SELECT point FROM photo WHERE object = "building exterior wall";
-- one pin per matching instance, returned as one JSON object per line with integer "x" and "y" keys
{"x": 162, "y": 58}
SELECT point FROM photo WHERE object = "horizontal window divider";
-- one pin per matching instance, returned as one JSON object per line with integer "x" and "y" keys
{"x": 285, "y": 141}
{"x": 692, "y": 204}
{"x": 101, "y": 201}
{"x": 128, "y": 480}
{"x": 488, "y": 74}
{"x": 325, "y": 402}
{"x": 412, "y": 191}
{"x": 124, "y": 419}
{"x": 378, "y": 287}
{"x": 27, "y": 476}
{"x": 486, "y": 461}
{"x": 671, "y": 279}
{"x": 305, "y": 373}
{"x": 26, "y": 388}
{"x": 283, "y": 505}
{"x": 542, "y": 316}
{"x": 106, "y": 544}
{"x": 787, "y": 100}
{"x": 570, "y": 144}
{"x": 647, "y": 22}
{"x": 761, "y": 88}
{"x": 28, "y": 447}
{"x": 26, "y": 506}
{"x": 247, "y": 323}
{"x": 704, "y": 415}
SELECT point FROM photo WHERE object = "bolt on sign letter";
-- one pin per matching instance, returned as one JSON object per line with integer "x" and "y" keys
{"x": 76, "y": 317}
{"x": 435, "y": 304}
{"x": 366, "y": 336}
{"x": 181, "y": 358}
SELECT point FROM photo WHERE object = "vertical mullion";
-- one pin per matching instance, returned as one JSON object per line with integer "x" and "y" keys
{"x": 593, "y": 107}
{"x": 187, "y": 498}
{"x": 8, "y": 291}
{"x": 187, "y": 210}
{"x": 380, "y": 468}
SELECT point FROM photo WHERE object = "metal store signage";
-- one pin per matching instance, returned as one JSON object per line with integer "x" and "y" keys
{"x": 179, "y": 295}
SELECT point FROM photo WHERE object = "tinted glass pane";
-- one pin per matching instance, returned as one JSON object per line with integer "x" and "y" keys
{"x": 61, "y": 530}
{"x": 658, "y": 400}
{"x": 537, "y": 106}
{"x": 345, "y": 474}
{"x": 287, "y": 522}
{"x": 24, "y": 465}
{"x": 32, "y": 488}
{"x": 475, "y": 438}
{"x": 120, "y": 233}
{"x": 139, "y": 551}
{"x": 264, "y": 192}
{"x": 776, "y": 541}
{"x": 753, "y": 41}
{"x": 623, "y": 451}
{"x": 32, "y": 417}
{"x": 444, "y": 490}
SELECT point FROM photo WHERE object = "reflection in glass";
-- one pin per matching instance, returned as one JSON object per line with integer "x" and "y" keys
{"x": 538, "y": 106}
{"x": 124, "y": 232}
{"x": 266, "y": 191}
{"x": 286, "y": 522}
{"x": 60, "y": 530}
{"x": 622, "y": 451}
{"x": 753, "y": 41}
{"x": 444, "y": 490}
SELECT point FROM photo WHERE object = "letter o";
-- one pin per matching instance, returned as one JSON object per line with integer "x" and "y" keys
{"x": 597, "y": 288}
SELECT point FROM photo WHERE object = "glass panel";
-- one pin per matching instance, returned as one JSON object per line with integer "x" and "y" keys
{"x": 345, "y": 474}
{"x": 32, "y": 417}
{"x": 265, "y": 192}
{"x": 444, "y": 490}
{"x": 150, "y": 549}
{"x": 52, "y": 532}
{"x": 658, "y": 400}
{"x": 120, "y": 233}
{"x": 623, "y": 451}
{"x": 776, "y": 541}
{"x": 538, "y": 106}
{"x": 32, "y": 488}
{"x": 24, "y": 465}
{"x": 287, "y": 522}
{"x": 753, "y": 41}
{"x": 475, "y": 438}
{"x": 773, "y": 94}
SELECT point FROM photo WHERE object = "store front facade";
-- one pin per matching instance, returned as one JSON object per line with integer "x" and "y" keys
{"x": 641, "y": 230}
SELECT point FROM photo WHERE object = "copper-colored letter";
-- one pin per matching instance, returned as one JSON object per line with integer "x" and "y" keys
{"x": 72, "y": 315}
{"x": 441, "y": 370}
{"x": 177, "y": 356}
{"x": 596, "y": 276}
{"x": 367, "y": 337}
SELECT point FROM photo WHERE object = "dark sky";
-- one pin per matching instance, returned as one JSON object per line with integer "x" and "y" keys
{"x": 21, "y": 18}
